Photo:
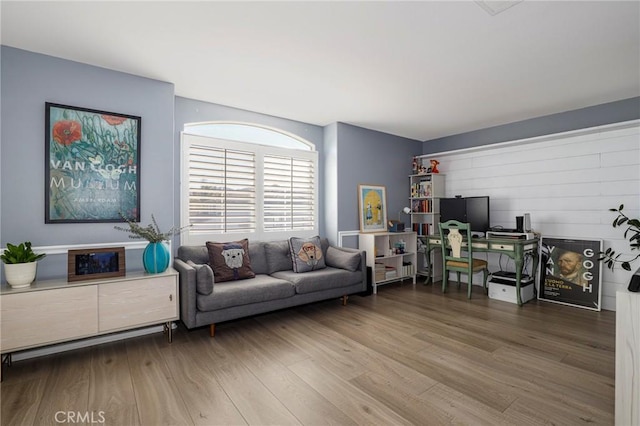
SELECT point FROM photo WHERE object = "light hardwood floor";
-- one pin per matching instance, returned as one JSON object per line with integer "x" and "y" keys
{"x": 409, "y": 355}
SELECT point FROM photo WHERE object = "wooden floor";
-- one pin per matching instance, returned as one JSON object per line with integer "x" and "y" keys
{"x": 409, "y": 355}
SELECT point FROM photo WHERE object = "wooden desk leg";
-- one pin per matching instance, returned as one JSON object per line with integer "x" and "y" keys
{"x": 429, "y": 266}
{"x": 536, "y": 260}
{"x": 519, "y": 264}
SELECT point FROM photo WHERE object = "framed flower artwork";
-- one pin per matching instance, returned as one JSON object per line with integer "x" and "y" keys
{"x": 92, "y": 165}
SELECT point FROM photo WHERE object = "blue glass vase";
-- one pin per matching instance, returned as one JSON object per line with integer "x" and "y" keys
{"x": 155, "y": 258}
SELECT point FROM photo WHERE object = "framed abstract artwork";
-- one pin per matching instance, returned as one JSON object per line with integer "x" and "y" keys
{"x": 372, "y": 208}
{"x": 92, "y": 165}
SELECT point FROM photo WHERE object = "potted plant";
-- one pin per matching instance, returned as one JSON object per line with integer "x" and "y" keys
{"x": 156, "y": 256}
{"x": 632, "y": 233}
{"x": 20, "y": 264}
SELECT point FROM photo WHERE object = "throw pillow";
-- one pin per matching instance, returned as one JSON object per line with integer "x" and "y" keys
{"x": 337, "y": 258}
{"x": 306, "y": 254}
{"x": 204, "y": 277}
{"x": 278, "y": 256}
{"x": 230, "y": 261}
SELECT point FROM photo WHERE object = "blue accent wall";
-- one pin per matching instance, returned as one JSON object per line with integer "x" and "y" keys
{"x": 330, "y": 160}
{"x": 371, "y": 157}
{"x": 31, "y": 79}
{"x": 598, "y": 115}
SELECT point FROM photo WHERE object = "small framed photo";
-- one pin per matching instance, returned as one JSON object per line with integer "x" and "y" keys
{"x": 93, "y": 264}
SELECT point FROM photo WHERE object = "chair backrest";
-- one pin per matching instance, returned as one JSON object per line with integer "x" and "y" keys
{"x": 456, "y": 233}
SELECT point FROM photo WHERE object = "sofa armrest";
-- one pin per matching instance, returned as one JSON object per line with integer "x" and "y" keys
{"x": 362, "y": 267}
{"x": 187, "y": 292}
{"x": 363, "y": 258}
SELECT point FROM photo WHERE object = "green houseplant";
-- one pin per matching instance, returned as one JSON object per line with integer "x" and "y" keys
{"x": 156, "y": 256}
{"x": 20, "y": 264}
{"x": 632, "y": 233}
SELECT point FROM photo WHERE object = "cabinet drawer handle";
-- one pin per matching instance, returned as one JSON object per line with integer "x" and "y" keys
{"x": 171, "y": 297}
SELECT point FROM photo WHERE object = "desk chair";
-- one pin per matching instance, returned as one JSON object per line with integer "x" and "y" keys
{"x": 454, "y": 260}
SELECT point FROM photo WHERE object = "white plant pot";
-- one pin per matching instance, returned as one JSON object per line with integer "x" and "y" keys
{"x": 20, "y": 274}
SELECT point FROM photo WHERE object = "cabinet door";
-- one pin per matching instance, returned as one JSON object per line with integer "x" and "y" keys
{"x": 137, "y": 302}
{"x": 36, "y": 318}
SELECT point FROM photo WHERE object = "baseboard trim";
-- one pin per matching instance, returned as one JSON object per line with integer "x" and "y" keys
{"x": 83, "y": 343}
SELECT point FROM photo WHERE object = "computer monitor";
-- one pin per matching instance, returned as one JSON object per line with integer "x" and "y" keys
{"x": 478, "y": 213}
{"x": 453, "y": 209}
{"x": 474, "y": 210}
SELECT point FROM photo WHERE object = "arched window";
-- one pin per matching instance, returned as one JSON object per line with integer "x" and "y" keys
{"x": 247, "y": 180}
{"x": 243, "y": 132}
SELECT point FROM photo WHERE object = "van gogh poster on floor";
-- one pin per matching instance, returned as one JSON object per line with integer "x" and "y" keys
{"x": 92, "y": 165}
{"x": 571, "y": 272}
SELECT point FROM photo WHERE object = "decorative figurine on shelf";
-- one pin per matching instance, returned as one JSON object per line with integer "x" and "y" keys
{"x": 434, "y": 166}
{"x": 415, "y": 165}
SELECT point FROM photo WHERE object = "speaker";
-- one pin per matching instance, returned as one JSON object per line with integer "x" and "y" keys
{"x": 527, "y": 222}
{"x": 520, "y": 223}
{"x": 634, "y": 284}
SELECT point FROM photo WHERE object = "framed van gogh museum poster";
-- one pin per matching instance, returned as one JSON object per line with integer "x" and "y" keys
{"x": 571, "y": 272}
{"x": 92, "y": 165}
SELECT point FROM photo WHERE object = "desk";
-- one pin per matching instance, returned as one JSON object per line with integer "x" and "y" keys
{"x": 512, "y": 247}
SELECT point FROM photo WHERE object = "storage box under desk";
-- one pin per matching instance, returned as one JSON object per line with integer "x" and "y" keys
{"x": 507, "y": 292}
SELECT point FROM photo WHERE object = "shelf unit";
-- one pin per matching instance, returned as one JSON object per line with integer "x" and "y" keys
{"x": 426, "y": 191}
{"x": 387, "y": 264}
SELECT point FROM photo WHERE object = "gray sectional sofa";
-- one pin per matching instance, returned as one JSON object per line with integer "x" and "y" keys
{"x": 275, "y": 286}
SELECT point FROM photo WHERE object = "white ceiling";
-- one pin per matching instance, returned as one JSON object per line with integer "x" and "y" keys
{"x": 416, "y": 69}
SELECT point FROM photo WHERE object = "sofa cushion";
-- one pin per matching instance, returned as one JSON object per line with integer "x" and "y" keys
{"x": 204, "y": 277}
{"x": 278, "y": 257}
{"x": 342, "y": 259}
{"x": 234, "y": 293}
{"x": 324, "y": 243}
{"x": 230, "y": 261}
{"x": 320, "y": 280}
{"x": 258, "y": 257}
{"x": 197, "y": 254}
{"x": 306, "y": 254}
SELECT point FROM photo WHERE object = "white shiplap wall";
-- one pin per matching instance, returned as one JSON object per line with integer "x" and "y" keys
{"x": 567, "y": 182}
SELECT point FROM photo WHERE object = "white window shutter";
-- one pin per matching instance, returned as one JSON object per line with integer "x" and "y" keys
{"x": 222, "y": 190}
{"x": 246, "y": 190}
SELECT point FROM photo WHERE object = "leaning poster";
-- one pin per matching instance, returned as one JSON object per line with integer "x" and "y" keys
{"x": 571, "y": 272}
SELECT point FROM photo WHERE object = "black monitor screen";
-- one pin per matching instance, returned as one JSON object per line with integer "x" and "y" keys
{"x": 453, "y": 209}
{"x": 478, "y": 213}
{"x": 474, "y": 210}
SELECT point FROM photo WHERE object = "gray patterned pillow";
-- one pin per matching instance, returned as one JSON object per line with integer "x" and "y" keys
{"x": 306, "y": 254}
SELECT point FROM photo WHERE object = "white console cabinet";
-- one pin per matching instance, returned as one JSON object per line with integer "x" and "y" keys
{"x": 57, "y": 311}
{"x": 627, "y": 359}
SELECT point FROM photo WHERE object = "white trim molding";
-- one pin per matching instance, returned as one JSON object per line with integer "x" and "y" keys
{"x": 63, "y": 249}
